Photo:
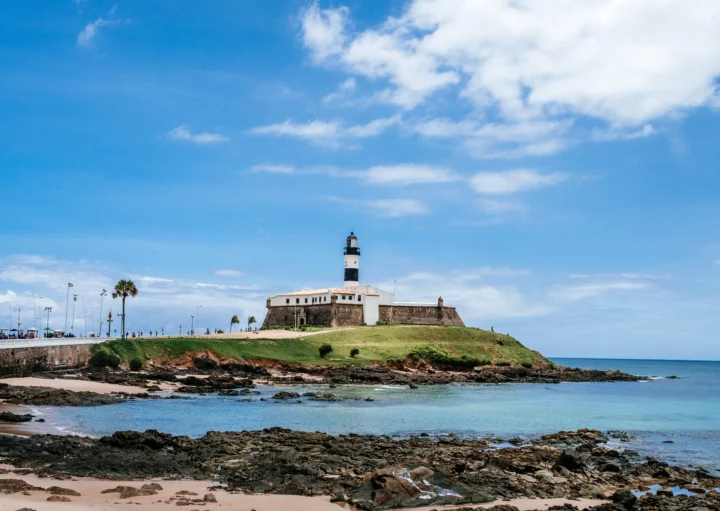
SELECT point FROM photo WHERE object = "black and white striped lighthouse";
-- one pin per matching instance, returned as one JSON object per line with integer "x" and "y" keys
{"x": 352, "y": 261}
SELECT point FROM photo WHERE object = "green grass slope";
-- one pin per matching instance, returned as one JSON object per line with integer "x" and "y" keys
{"x": 377, "y": 344}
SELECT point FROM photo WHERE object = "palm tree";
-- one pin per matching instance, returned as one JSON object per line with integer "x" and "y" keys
{"x": 123, "y": 289}
{"x": 251, "y": 320}
{"x": 234, "y": 321}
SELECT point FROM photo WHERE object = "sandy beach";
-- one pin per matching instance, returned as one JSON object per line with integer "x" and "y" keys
{"x": 92, "y": 498}
{"x": 73, "y": 384}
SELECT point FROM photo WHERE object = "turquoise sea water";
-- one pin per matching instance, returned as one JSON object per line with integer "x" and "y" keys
{"x": 685, "y": 411}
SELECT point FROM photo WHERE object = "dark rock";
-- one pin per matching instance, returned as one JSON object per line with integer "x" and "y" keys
{"x": 58, "y": 498}
{"x": 625, "y": 498}
{"x": 13, "y": 417}
{"x": 610, "y": 467}
{"x": 57, "y": 490}
{"x": 570, "y": 462}
{"x": 43, "y": 396}
{"x": 286, "y": 395}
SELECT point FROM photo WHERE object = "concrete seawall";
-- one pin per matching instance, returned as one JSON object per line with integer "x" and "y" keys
{"x": 21, "y": 358}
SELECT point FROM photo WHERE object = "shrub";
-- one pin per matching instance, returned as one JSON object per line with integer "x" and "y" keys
{"x": 527, "y": 365}
{"x": 354, "y": 352}
{"x": 380, "y": 322}
{"x": 441, "y": 357}
{"x": 220, "y": 331}
{"x": 502, "y": 363}
{"x": 105, "y": 359}
{"x": 325, "y": 349}
{"x": 136, "y": 364}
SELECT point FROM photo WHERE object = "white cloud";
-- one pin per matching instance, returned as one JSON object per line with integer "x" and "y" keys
{"x": 324, "y": 30}
{"x": 183, "y": 133}
{"x": 380, "y": 175}
{"x": 402, "y": 175}
{"x": 618, "y": 64}
{"x": 153, "y": 280}
{"x": 328, "y": 133}
{"x": 582, "y": 291}
{"x": 513, "y": 181}
{"x": 273, "y": 168}
{"x": 231, "y": 274}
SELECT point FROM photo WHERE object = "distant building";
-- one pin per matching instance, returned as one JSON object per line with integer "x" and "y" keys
{"x": 353, "y": 304}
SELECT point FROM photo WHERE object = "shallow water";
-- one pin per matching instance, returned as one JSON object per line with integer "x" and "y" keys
{"x": 685, "y": 411}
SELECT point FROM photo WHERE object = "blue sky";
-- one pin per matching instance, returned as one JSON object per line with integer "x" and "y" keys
{"x": 557, "y": 181}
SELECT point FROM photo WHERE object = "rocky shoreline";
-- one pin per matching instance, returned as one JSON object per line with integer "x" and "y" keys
{"x": 374, "y": 472}
{"x": 219, "y": 376}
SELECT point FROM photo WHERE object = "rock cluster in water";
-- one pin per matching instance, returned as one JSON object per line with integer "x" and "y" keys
{"x": 374, "y": 472}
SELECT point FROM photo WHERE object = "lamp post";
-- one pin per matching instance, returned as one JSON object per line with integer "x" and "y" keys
{"x": 102, "y": 295}
{"x": 67, "y": 303}
{"x": 73, "y": 316}
{"x": 47, "y": 327}
{"x": 192, "y": 323}
{"x": 109, "y": 322}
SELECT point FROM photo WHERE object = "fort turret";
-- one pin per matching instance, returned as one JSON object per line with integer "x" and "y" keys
{"x": 352, "y": 261}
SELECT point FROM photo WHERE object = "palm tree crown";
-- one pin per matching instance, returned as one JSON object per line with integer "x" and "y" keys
{"x": 234, "y": 321}
{"x": 123, "y": 289}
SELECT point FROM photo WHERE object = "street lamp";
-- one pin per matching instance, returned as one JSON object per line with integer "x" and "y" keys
{"x": 73, "y": 316}
{"x": 67, "y": 303}
{"x": 192, "y": 323}
{"x": 103, "y": 294}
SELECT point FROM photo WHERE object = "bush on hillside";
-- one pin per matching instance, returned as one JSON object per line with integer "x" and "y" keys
{"x": 325, "y": 349}
{"x": 502, "y": 363}
{"x": 527, "y": 365}
{"x": 105, "y": 359}
{"x": 440, "y": 357}
{"x": 136, "y": 364}
{"x": 354, "y": 352}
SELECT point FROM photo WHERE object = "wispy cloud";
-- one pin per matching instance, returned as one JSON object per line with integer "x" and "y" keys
{"x": 182, "y": 132}
{"x": 327, "y": 133}
{"x": 273, "y": 168}
{"x": 583, "y": 291}
{"x": 380, "y": 175}
{"x": 88, "y": 34}
{"x": 345, "y": 88}
{"x": 388, "y": 208}
{"x": 230, "y": 274}
{"x": 513, "y": 181}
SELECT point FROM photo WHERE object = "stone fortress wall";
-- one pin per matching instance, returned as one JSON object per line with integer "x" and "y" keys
{"x": 333, "y": 315}
{"x": 420, "y": 315}
{"x": 24, "y": 361}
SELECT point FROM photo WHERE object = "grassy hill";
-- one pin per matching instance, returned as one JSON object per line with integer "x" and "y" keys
{"x": 377, "y": 344}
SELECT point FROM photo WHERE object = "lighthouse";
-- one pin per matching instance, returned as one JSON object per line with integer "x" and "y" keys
{"x": 352, "y": 261}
